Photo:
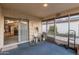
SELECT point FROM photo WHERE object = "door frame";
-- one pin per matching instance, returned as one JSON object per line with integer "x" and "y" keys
{"x": 19, "y": 23}
{"x": 19, "y": 19}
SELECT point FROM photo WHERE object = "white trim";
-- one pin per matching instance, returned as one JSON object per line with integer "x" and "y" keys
{"x": 11, "y": 46}
{"x": 23, "y": 42}
{"x": 15, "y": 43}
{"x": 19, "y": 31}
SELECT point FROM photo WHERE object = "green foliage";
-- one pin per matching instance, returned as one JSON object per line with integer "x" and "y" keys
{"x": 52, "y": 30}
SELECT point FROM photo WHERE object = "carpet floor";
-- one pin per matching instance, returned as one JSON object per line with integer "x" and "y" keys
{"x": 42, "y": 48}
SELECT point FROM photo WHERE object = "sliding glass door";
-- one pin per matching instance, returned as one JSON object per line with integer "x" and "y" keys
{"x": 15, "y": 31}
{"x": 10, "y": 31}
{"x": 23, "y": 31}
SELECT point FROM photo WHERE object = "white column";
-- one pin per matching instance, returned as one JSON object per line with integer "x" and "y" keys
{"x": 1, "y": 29}
{"x": 19, "y": 32}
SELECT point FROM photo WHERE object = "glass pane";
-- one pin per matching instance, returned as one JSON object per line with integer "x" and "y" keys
{"x": 74, "y": 26}
{"x": 61, "y": 27}
{"x": 50, "y": 28}
{"x": 44, "y": 27}
{"x": 10, "y": 31}
{"x": 23, "y": 31}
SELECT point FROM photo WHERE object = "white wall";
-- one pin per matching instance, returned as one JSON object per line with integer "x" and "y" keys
{"x": 34, "y": 23}
{"x": 1, "y": 28}
{"x": 16, "y": 14}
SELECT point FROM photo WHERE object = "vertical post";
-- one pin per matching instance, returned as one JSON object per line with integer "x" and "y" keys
{"x": 54, "y": 29}
{"x": 46, "y": 26}
{"x": 19, "y": 37}
{"x": 78, "y": 29}
{"x": 1, "y": 29}
{"x": 68, "y": 28}
{"x": 28, "y": 32}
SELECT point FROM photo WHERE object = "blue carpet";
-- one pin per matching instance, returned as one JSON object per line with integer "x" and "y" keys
{"x": 42, "y": 48}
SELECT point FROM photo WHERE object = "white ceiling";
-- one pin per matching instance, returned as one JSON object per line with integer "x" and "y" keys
{"x": 37, "y": 9}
